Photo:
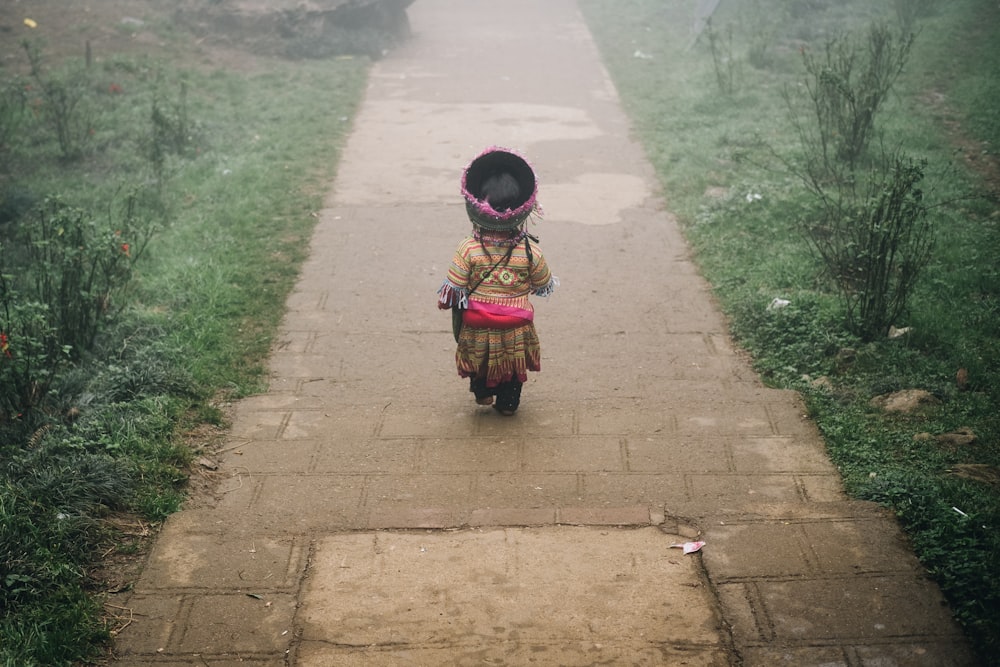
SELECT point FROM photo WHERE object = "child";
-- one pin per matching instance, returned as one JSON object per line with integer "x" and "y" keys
{"x": 490, "y": 277}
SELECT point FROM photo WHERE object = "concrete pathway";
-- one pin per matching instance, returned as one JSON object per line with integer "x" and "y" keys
{"x": 371, "y": 514}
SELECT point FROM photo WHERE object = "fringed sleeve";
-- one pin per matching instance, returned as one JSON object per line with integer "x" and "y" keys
{"x": 451, "y": 295}
{"x": 454, "y": 291}
{"x": 548, "y": 289}
{"x": 543, "y": 283}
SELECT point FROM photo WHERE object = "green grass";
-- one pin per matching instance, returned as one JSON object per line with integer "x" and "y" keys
{"x": 244, "y": 162}
{"x": 711, "y": 148}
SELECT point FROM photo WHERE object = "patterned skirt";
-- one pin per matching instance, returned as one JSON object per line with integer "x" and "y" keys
{"x": 500, "y": 355}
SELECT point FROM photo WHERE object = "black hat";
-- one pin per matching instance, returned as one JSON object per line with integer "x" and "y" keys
{"x": 493, "y": 162}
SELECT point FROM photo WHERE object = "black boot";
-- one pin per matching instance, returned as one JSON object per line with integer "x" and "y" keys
{"x": 508, "y": 397}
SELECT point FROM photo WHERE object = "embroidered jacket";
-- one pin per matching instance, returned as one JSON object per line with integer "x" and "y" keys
{"x": 480, "y": 264}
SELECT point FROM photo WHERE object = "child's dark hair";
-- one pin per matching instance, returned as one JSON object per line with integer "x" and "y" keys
{"x": 501, "y": 191}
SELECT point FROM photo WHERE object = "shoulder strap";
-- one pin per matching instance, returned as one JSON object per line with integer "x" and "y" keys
{"x": 504, "y": 260}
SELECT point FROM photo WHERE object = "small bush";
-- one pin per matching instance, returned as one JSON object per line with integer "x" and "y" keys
{"x": 725, "y": 63}
{"x": 171, "y": 130}
{"x": 874, "y": 242}
{"x": 13, "y": 101}
{"x": 30, "y": 358}
{"x": 847, "y": 85}
{"x": 63, "y": 279}
{"x": 80, "y": 268}
{"x": 63, "y": 101}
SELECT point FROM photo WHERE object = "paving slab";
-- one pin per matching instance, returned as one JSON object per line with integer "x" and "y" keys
{"x": 369, "y": 513}
{"x": 491, "y": 586}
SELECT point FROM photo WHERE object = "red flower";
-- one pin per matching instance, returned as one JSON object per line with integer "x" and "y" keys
{"x": 125, "y": 249}
{"x": 115, "y": 89}
{"x": 5, "y": 344}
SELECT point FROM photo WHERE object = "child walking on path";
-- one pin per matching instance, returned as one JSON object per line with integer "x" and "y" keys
{"x": 491, "y": 276}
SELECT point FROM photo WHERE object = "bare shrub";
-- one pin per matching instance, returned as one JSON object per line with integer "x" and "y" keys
{"x": 62, "y": 101}
{"x": 847, "y": 85}
{"x": 171, "y": 130}
{"x": 874, "y": 237}
{"x": 723, "y": 59}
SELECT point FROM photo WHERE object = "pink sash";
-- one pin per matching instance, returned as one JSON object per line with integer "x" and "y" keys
{"x": 493, "y": 316}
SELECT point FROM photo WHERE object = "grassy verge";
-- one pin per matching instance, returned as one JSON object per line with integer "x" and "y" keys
{"x": 225, "y": 170}
{"x": 712, "y": 127}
